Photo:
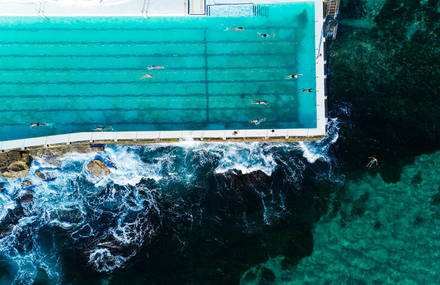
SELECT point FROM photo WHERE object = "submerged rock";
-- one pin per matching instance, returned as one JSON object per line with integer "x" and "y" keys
{"x": 98, "y": 168}
{"x": 14, "y": 164}
{"x": 26, "y": 184}
{"x": 45, "y": 175}
{"x": 8, "y": 223}
{"x": 267, "y": 276}
{"x": 27, "y": 197}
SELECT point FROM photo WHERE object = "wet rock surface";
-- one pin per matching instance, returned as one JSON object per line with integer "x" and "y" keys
{"x": 11, "y": 219}
{"x": 46, "y": 175}
{"x": 98, "y": 168}
{"x": 27, "y": 197}
{"x": 26, "y": 183}
{"x": 52, "y": 155}
{"x": 14, "y": 164}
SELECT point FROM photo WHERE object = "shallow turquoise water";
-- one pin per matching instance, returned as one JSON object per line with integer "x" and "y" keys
{"x": 383, "y": 233}
{"x": 78, "y": 73}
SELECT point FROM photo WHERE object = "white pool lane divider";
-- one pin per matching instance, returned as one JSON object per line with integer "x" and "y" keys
{"x": 164, "y": 136}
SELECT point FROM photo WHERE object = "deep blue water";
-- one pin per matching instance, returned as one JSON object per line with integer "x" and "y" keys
{"x": 152, "y": 191}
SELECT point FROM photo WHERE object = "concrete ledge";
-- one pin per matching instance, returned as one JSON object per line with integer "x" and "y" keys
{"x": 63, "y": 148}
{"x": 275, "y": 135}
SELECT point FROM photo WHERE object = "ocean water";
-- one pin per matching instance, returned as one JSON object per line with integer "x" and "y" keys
{"x": 160, "y": 206}
{"x": 377, "y": 232}
{"x": 75, "y": 74}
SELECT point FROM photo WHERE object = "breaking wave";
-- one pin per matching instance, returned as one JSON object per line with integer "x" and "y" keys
{"x": 60, "y": 204}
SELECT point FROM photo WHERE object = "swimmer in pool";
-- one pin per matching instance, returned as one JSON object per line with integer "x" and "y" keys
{"x": 258, "y": 121}
{"x": 37, "y": 125}
{"x": 235, "y": 29}
{"x": 310, "y": 90}
{"x": 101, "y": 129}
{"x": 146, "y": 76}
{"x": 156, "y": 67}
{"x": 372, "y": 161}
{"x": 266, "y": 35}
{"x": 259, "y": 102}
{"x": 293, "y": 76}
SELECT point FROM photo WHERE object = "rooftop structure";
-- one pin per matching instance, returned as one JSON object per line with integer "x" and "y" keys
{"x": 160, "y": 70}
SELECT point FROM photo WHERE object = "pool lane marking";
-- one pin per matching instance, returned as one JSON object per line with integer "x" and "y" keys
{"x": 139, "y": 82}
{"x": 205, "y": 45}
{"x": 143, "y": 69}
{"x": 122, "y": 96}
{"x": 93, "y": 125}
{"x": 128, "y": 42}
{"x": 140, "y": 55}
{"x": 125, "y": 109}
{"x": 85, "y": 29}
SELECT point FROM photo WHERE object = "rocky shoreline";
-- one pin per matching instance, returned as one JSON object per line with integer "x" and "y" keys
{"x": 16, "y": 163}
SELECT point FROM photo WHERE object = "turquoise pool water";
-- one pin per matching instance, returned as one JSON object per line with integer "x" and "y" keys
{"x": 75, "y": 74}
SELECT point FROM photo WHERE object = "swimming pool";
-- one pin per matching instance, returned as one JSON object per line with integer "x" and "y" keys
{"x": 74, "y": 74}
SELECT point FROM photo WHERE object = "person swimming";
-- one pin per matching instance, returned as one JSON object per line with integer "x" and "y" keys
{"x": 37, "y": 125}
{"x": 307, "y": 90}
{"x": 372, "y": 161}
{"x": 266, "y": 35}
{"x": 146, "y": 76}
{"x": 156, "y": 67}
{"x": 101, "y": 129}
{"x": 260, "y": 102}
{"x": 258, "y": 121}
{"x": 234, "y": 29}
{"x": 293, "y": 76}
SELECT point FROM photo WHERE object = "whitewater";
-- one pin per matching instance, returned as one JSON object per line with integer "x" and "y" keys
{"x": 109, "y": 219}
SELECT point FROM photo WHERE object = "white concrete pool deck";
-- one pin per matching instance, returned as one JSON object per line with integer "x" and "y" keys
{"x": 147, "y": 8}
{"x": 127, "y": 8}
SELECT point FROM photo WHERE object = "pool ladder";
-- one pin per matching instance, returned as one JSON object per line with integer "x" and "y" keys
{"x": 259, "y": 10}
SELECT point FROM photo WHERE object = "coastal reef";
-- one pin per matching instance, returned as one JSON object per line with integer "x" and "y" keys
{"x": 205, "y": 212}
{"x": 384, "y": 74}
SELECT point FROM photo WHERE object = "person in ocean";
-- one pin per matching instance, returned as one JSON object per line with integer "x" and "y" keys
{"x": 156, "y": 67}
{"x": 310, "y": 90}
{"x": 293, "y": 76}
{"x": 258, "y": 121}
{"x": 37, "y": 125}
{"x": 372, "y": 161}
{"x": 266, "y": 35}
{"x": 146, "y": 76}
{"x": 260, "y": 102}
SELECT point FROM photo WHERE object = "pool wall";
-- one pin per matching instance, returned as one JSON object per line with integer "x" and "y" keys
{"x": 175, "y": 136}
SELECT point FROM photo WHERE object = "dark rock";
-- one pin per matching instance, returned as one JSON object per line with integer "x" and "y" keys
{"x": 436, "y": 198}
{"x": 10, "y": 220}
{"x": 267, "y": 276}
{"x": 26, "y": 184}
{"x": 249, "y": 276}
{"x": 46, "y": 175}
{"x": 377, "y": 225}
{"x": 418, "y": 220}
{"x": 6, "y": 230}
{"x": 417, "y": 179}
{"x": 27, "y": 197}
